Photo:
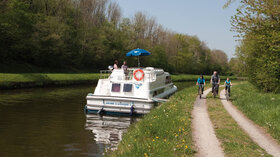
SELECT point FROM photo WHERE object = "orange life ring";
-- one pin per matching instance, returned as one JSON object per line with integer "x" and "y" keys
{"x": 138, "y": 74}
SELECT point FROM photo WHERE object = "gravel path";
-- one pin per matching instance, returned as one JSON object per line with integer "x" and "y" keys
{"x": 257, "y": 134}
{"x": 204, "y": 136}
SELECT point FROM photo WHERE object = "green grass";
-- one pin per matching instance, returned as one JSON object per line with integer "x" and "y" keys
{"x": 43, "y": 79}
{"x": 188, "y": 77}
{"x": 30, "y": 77}
{"x": 234, "y": 140}
{"x": 9, "y": 80}
{"x": 165, "y": 131}
{"x": 262, "y": 108}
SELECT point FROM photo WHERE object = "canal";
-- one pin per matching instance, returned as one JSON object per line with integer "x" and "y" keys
{"x": 50, "y": 122}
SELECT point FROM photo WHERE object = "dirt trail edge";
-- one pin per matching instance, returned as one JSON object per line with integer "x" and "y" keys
{"x": 257, "y": 134}
{"x": 203, "y": 133}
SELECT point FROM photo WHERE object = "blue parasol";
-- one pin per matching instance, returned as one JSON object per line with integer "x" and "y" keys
{"x": 138, "y": 52}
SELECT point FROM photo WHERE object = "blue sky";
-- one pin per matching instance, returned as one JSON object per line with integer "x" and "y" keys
{"x": 204, "y": 18}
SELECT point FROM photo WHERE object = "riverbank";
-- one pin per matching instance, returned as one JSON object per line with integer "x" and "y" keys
{"x": 187, "y": 77}
{"x": 262, "y": 108}
{"x": 165, "y": 131}
{"x": 27, "y": 80}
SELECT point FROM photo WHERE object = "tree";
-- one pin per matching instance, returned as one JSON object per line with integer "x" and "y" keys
{"x": 236, "y": 67}
{"x": 88, "y": 35}
{"x": 258, "y": 25}
{"x": 16, "y": 28}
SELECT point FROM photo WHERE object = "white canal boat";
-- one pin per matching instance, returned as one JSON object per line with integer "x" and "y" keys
{"x": 133, "y": 92}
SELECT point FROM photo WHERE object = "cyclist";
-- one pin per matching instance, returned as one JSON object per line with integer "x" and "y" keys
{"x": 228, "y": 84}
{"x": 201, "y": 82}
{"x": 215, "y": 81}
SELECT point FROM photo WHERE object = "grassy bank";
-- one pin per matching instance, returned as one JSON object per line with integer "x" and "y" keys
{"x": 234, "y": 140}
{"x": 23, "y": 80}
{"x": 262, "y": 108}
{"x": 165, "y": 131}
{"x": 185, "y": 77}
{"x": 11, "y": 81}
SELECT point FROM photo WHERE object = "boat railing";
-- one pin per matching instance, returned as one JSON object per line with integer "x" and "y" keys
{"x": 104, "y": 74}
{"x": 120, "y": 74}
{"x": 150, "y": 76}
{"x": 128, "y": 74}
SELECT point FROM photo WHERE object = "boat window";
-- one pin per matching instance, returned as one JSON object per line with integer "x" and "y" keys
{"x": 168, "y": 79}
{"x": 158, "y": 92}
{"x": 155, "y": 93}
{"x": 116, "y": 87}
{"x": 127, "y": 88}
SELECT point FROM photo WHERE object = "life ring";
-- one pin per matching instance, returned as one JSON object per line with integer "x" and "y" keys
{"x": 138, "y": 74}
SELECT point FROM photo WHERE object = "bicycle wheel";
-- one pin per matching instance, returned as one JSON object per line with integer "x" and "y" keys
{"x": 215, "y": 92}
{"x": 227, "y": 96}
{"x": 200, "y": 92}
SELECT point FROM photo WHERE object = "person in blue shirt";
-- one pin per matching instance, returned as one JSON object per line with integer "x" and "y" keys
{"x": 228, "y": 84}
{"x": 201, "y": 83}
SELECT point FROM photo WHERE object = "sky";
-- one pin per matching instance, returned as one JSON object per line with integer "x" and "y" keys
{"x": 205, "y": 19}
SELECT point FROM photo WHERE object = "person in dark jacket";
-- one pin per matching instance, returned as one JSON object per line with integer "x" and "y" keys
{"x": 215, "y": 81}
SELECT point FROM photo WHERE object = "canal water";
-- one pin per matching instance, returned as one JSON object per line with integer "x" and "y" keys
{"x": 50, "y": 122}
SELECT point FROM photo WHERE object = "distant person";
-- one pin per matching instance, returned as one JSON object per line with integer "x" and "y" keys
{"x": 125, "y": 67}
{"x": 201, "y": 83}
{"x": 215, "y": 81}
{"x": 116, "y": 64}
{"x": 228, "y": 84}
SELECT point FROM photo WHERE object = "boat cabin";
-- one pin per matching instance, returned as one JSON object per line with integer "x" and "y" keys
{"x": 135, "y": 82}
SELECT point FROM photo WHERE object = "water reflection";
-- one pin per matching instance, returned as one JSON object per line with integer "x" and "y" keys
{"x": 108, "y": 130}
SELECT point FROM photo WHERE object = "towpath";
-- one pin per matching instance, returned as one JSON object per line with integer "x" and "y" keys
{"x": 257, "y": 134}
{"x": 204, "y": 136}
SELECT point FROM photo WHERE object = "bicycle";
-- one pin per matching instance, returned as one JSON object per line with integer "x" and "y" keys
{"x": 215, "y": 92}
{"x": 227, "y": 93}
{"x": 200, "y": 87}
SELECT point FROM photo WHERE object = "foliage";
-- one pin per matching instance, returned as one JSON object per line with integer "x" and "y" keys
{"x": 165, "y": 131}
{"x": 88, "y": 35}
{"x": 236, "y": 67}
{"x": 258, "y": 24}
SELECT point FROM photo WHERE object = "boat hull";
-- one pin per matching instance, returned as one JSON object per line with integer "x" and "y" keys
{"x": 123, "y": 105}
{"x": 120, "y": 105}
